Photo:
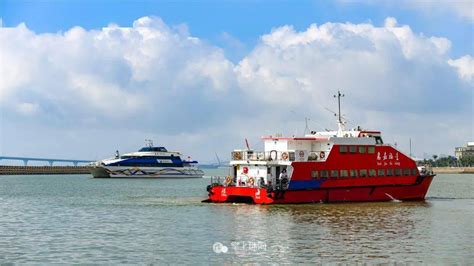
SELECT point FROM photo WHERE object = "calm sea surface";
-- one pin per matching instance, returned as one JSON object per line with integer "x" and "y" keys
{"x": 77, "y": 219}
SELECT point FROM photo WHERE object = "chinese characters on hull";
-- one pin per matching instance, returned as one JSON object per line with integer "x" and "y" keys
{"x": 387, "y": 159}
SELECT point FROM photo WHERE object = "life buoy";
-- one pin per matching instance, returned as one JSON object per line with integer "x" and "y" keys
{"x": 228, "y": 180}
{"x": 284, "y": 156}
{"x": 251, "y": 181}
{"x": 322, "y": 155}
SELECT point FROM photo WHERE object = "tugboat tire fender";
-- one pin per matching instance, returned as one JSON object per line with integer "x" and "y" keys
{"x": 322, "y": 155}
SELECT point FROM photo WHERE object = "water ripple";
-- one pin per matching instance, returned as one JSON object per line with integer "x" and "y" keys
{"x": 76, "y": 219}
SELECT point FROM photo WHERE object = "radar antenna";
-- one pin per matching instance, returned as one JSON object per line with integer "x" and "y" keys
{"x": 340, "y": 122}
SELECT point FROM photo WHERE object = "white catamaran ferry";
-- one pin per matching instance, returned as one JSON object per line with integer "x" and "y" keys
{"x": 149, "y": 161}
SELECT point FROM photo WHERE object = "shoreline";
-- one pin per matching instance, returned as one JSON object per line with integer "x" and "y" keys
{"x": 453, "y": 170}
{"x": 43, "y": 170}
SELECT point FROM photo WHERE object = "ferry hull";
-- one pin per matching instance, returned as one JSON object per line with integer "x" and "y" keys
{"x": 389, "y": 192}
{"x": 145, "y": 172}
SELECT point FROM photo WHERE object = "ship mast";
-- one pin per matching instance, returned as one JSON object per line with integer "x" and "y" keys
{"x": 149, "y": 142}
{"x": 339, "y": 121}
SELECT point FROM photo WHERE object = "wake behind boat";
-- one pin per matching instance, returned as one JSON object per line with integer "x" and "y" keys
{"x": 148, "y": 162}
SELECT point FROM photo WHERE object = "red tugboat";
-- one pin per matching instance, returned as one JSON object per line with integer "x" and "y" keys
{"x": 332, "y": 166}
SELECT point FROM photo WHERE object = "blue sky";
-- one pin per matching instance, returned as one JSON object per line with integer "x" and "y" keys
{"x": 245, "y": 20}
{"x": 188, "y": 73}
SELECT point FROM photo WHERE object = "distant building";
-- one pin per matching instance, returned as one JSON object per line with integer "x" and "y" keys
{"x": 467, "y": 151}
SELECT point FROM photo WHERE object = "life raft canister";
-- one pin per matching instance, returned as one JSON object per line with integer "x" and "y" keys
{"x": 284, "y": 156}
{"x": 322, "y": 155}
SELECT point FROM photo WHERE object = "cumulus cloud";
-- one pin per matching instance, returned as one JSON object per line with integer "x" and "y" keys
{"x": 155, "y": 80}
{"x": 116, "y": 72}
{"x": 376, "y": 64}
{"x": 465, "y": 67}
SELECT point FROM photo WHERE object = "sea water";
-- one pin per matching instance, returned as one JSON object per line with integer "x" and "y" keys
{"x": 78, "y": 219}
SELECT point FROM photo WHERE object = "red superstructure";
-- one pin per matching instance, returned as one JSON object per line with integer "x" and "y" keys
{"x": 336, "y": 166}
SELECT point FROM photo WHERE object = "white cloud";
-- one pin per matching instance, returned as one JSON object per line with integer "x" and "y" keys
{"x": 153, "y": 80}
{"x": 113, "y": 73}
{"x": 465, "y": 67}
{"x": 376, "y": 64}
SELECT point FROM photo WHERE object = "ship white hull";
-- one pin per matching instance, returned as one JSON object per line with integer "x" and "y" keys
{"x": 146, "y": 172}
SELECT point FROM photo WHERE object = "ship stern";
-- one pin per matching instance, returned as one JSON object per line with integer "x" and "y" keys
{"x": 232, "y": 194}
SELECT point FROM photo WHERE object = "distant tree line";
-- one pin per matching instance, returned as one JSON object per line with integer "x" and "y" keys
{"x": 450, "y": 161}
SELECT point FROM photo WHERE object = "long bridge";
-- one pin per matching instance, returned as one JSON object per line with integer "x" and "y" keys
{"x": 25, "y": 169}
{"x": 49, "y": 160}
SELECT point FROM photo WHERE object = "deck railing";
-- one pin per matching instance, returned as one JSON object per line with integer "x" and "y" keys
{"x": 291, "y": 155}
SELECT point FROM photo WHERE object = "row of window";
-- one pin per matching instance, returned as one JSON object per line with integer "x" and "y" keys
{"x": 132, "y": 164}
{"x": 356, "y": 149}
{"x": 363, "y": 173}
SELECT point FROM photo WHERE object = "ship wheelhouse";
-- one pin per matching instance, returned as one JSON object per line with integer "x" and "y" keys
{"x": 150, "y": 157}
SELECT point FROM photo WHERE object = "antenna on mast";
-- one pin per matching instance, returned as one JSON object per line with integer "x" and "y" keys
{"x": 306, "y": 128}
{"x": 339, "y": 121}
{"x": 410, "y": 148}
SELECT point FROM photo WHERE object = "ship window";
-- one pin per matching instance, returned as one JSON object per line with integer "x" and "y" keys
{"x": 389, "y": 172}
{"x": 334, "y": 173}
{"x": 352, "y": 149}
{"x": 378, "y": 140}
{"x": 414, "y": 171}
{"x": 398, "y": 171}
{"x": 342, "y": 149}
{"x": 371, "y": 149}
{"x": 372, "y": 172}
{"x": 324, "y": 174}
{"x": 406, "y": 171}
{"x": 314, "y": 174}
{"x": 353, "y": 173}
{"x": 312, "y": 156}
{"x": 363, "y": 173}
{"x": 381, "y": 172}
{"x": 361, "y": 149}
{"x": 344, "y": 173}
{"x": 292, "y": 156}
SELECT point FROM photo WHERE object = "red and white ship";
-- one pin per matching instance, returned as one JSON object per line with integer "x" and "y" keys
{"x": 331, "y": 166}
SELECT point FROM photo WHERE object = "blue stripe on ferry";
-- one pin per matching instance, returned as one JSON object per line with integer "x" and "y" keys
{"x": 303, "y": 184}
